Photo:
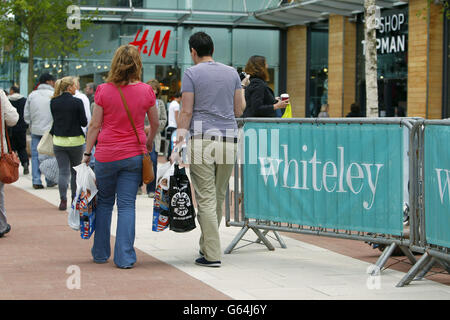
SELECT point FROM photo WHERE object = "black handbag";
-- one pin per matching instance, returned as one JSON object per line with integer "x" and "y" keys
{"x": 181, "y": 208}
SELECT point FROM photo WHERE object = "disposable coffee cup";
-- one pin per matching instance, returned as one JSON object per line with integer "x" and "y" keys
{"x": 284, "y": 97}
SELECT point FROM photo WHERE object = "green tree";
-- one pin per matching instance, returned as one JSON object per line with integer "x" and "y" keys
{"x": 30, "y": 28}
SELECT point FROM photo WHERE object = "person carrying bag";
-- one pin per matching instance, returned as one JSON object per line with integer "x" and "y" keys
{"x": 118, "y": 159}
{"x": 148, "y": 175}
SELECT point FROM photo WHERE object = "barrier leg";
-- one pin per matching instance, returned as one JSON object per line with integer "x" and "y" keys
{"x": 415, "y": 270}
{"x": 263, "y": 238}
{"x": 445, "y": 265}
{"x": 265, "y": 232}
{"x": 384, "y": 257}
{"x": 236, "y": 239}
{"x": 408, "y": 254}
{"x": 280, "y": 240}
{"x": 277, "y": 235}
{"x": 426, "y": 269}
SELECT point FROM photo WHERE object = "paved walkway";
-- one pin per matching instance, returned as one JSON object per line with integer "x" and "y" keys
{"x": 36, "y": 255}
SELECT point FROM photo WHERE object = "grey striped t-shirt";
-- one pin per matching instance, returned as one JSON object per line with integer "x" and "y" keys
{"x": 214, "y": 85}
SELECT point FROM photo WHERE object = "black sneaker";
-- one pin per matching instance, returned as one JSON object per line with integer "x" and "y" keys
{"x": 25, "y": 169}
{"x": 205, "y": 263}
{"x": 38, "y": 186}
{"x": 8, "y": 229}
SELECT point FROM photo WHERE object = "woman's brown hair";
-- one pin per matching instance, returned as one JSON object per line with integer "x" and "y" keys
{"x": 156, "y": 86}
{"x": 256, "y": 67}
{"x": 126, "y": 66}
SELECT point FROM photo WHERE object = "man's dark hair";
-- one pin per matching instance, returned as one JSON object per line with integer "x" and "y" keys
{"x": 15, "y": 89}
{"x": 46, "y": 77}
{"x": 202, "y": 43}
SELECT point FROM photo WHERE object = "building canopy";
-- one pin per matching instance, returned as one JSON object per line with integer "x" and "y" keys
{"x": 245, "y": 13}
{"x": 310, "y": 11}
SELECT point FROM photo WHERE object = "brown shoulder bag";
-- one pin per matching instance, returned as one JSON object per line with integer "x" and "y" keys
{"x": 147, "y": 165}
{"x": 9, "y": 162}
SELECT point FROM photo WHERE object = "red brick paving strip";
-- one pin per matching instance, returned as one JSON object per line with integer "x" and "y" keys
{"x": 35, "y": 255}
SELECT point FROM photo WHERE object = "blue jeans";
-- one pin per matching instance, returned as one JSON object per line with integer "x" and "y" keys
{"x": 121, "y": 178}
{"x": 35, "y": 172}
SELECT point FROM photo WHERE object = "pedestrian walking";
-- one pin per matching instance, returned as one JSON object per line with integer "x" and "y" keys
{"x": 259, "y": 97}
{"x": 37, "y": 114}
{"x": 355, "y": 111}
{"x": 162, "y": 116}
{"x": 89, "y": 90}
{"x": 174, "y": 109}
{"x": 212, "y": 99}
{"x": 10, "y": 117}
{"x": 87, "y": 106}
{"x": 324, "y": 111}
{"x": 68, "y": 138}
{"x": 19, "y": 131}
{"x": 118, "y": 165}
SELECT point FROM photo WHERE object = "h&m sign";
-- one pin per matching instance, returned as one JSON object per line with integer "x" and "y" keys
{"x": 156, "y": 44}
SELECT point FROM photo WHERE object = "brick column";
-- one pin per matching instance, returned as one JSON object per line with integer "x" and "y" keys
{"x": 425, "y": 50}
{"x": 341, "y": 65}
{"x": 296, "y": 69}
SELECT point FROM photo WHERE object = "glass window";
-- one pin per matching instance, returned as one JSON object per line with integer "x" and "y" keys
{"x": 317, "y": 89}
{"x": 392, "y": 48}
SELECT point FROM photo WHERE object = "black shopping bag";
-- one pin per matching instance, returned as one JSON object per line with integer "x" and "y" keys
{"x": 181, "y": 208}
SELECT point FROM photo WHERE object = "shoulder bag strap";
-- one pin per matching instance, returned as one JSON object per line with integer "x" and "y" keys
{"x": 128, "y": 113}
{"x": 1, "y": 129}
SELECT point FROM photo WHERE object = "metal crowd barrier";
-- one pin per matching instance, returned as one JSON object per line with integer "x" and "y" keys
{"x": 388, "y": 132}
{"x": 432, "y": 232}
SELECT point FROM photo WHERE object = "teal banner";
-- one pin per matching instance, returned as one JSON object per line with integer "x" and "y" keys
{"x": 437, "y": 185}
{"x": 341, "y": 176}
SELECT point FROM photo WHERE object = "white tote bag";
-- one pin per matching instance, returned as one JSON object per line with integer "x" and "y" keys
{"x": 45, "y": 146}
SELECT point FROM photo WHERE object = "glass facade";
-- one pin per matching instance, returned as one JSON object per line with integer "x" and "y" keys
{"x": 317, "y": 70}
{"x": 392, "y": 48}
{"x": 164, "y": 47}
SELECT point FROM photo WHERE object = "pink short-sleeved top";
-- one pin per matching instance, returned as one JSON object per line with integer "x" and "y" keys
{"x": 117, "y": 140}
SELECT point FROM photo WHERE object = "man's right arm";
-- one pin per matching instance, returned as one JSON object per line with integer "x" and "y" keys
{"x": 26, "y": 110}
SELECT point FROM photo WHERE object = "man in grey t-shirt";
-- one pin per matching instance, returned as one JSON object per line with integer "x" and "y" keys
{"x": 212, "y": 97}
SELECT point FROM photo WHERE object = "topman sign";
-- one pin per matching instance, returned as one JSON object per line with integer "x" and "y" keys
{"x": 390, "y": 38}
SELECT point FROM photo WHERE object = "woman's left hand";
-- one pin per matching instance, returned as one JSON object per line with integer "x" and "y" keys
{"x": 86, "y": 159}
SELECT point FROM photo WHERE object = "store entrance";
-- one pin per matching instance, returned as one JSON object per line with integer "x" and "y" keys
{"x": 392, "y": 95}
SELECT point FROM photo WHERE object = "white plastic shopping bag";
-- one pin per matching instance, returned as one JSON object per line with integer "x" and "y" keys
{"x": 163, "y": 175}
{"x": 86, "y": 186}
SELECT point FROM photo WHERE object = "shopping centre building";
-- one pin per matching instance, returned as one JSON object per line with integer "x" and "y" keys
{"x": 314, "y": 49}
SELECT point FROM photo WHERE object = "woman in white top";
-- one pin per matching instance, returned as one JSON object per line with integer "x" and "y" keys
{"x": 174, "y": 109}
{"x": 10, "y": 117}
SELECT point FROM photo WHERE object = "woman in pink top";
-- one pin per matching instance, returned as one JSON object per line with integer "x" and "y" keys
{"x": 118, "y": 155}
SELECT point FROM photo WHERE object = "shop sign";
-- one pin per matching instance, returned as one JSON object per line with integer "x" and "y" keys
{"x": 156, "y": 43}
{"x": 389, "y": 36}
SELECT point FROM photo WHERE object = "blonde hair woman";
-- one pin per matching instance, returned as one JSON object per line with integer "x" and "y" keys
{"x": 118, "y": 154}
{"x": 68, "y": 137}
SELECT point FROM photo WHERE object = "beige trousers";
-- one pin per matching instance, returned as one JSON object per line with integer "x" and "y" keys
{"x": 211, "y": 165}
